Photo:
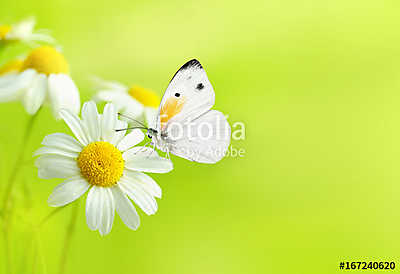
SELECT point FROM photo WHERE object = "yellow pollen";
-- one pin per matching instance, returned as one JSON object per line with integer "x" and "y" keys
{"x": 46, "y": 60}
{"x": 101, "y": 163}
{"x": 147, "y": 97}
{"x": 12, "y": 66}
{"x": 4, "y": 29}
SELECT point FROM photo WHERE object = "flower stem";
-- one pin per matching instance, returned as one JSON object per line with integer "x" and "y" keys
{"x": 7, "y": 202}
{"x": 18, "y": 164}
{"x": 68, "y": 238}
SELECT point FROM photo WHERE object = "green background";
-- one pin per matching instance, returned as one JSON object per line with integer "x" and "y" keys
{"x": 315, "y": 82}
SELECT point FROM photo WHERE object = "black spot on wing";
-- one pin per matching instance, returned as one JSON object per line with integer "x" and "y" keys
{"x": 190, "y": 64}
{"x": 200, "y": 86}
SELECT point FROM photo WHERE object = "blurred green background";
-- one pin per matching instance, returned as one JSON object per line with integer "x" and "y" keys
{"x": 317, "y": 85}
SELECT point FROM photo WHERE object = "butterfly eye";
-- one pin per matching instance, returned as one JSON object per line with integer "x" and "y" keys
{"x": 148, "y": 135}
{"x": 177, "y": 95}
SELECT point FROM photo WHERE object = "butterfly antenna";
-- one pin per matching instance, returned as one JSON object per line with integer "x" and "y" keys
{"x": 122, "y": 129}
{"x": 130, "y": 118}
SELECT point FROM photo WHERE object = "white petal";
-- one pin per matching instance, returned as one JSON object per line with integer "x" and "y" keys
{"x": 8, "y": 78}
{"x": 76, "y": 126}
{"x": 150, "y": 115}
{"x": 133, "y": 108}
{"x": 22, "y": 30}
{"x": 62, "y": 141}
{"x": 108, "y": 212}
{"x": 57, "y": 151}
{"x": 12, "y": 90}
{"x": 63, "y": 94}
{"x": 125, "y": 209}
{"x": 42, "y": 37}
{"x": 35, "y": 94}
{"x": 109, "y": 119}
{"x": 122, "y": 101}
{"x": 94, "y": 207}
{"x": 109, "y": 96}
{"x": 68, "y": 191}
{"x": 100, "y": 83}
{"x": 118, "y": 135}
{"x": 90, "y": 117}
{"x": 144, "y": 181}
{"x": 131, "y": 139}
{"x": 55, "y": 166}
{"x": 146, "y": 159}
{"x": 144, "y": 200}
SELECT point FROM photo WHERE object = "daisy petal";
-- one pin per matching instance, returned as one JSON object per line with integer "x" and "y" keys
{"x": 108, "y": 122}
{"x": 62, "y": 141}
{"x": 55, "y": 150}
{"x": 146, "y": 159}
{"x": 131, "y": 139}
{"x": 22, "y": 29}
{"x": 122, "y": 101}
{"x": 145, "y": 182}
{"x": 75, "y": 125}
{"x": 132, "y": 108}
{"x": 63, "y": 94}
{"x": 90, "y": 117}
{"x": 68, "y": 191}
{"x": 125, "y": 209}
{"x": 150, "y": 115}
{"x": 118, "y": 135}
{"x": 108, "y": 212}
{"x": 100, "y": 83}
{"x": 12, "y": 90}
{"x": 94, "y": 207}
{"x": 35, "y": 94}
{"x": 144, "y": 200}
{"x": 55, "y": 166}
{"x": 7, "y": 79}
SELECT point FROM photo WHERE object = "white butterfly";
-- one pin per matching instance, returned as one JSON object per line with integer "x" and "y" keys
{"x": 185, "y": 125}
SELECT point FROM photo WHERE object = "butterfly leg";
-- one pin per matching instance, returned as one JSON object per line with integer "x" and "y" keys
{"x": 152, "y": 150}
{"x": 143, "y": 148}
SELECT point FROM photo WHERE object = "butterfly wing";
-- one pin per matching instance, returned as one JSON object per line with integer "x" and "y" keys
{"x": 204, "y": 134}
{"x": 188, "y": 95}
{"x": 204, "y": 140}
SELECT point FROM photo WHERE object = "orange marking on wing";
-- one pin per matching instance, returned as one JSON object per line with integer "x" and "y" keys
{"x": 171, "y": 108}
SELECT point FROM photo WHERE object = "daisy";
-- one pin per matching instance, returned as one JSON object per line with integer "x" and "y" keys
{"x": 41, "y": 77}
{"x": 103, "y": 162}
{"x": 23, "y": 31}
{"x": 135, "y": 102}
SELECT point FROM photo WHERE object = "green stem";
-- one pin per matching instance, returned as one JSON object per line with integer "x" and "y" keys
{"x": 68, "y": 238}
{"x": 7, "y": 250}
{"x": 7, "y": 208}
{"x": 51, "y": 214}
{"x": 18, "y": 163}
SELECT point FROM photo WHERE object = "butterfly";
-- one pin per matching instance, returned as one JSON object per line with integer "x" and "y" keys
{"x": 185, "y": 125}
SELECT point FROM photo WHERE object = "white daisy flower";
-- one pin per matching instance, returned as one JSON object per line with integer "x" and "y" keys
{"x": 41, "y": 77}
{"x": 24, "y": 31}
{"x": 106, "y": 163}
{"x": 135, "y": 102}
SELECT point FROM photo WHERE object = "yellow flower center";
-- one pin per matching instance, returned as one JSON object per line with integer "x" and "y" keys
{"x": 14, "y": 65}
{"x": 46, "y": 60}
{"x": 147, "y": 97}
{"x": 4, "y": 29}
{"x": 101, "y": 164}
